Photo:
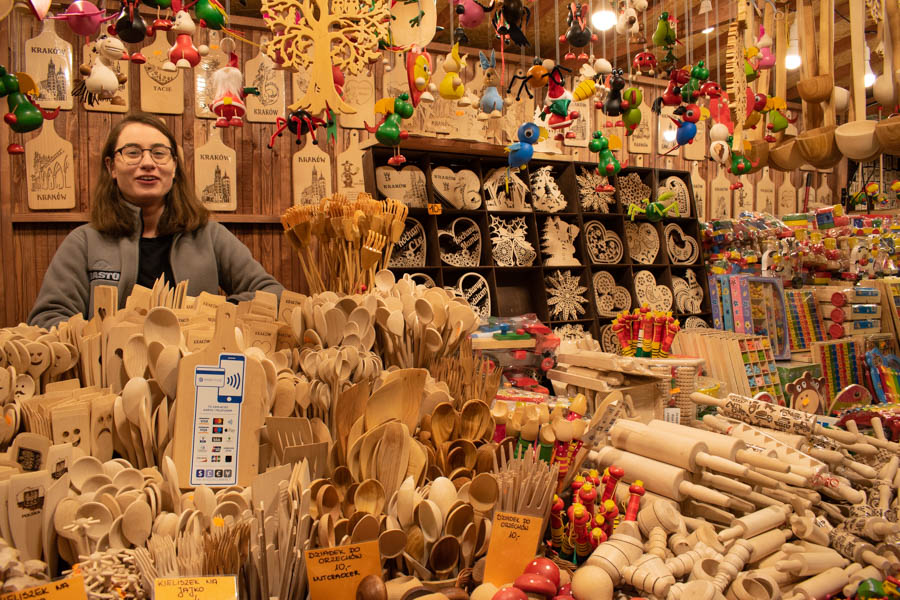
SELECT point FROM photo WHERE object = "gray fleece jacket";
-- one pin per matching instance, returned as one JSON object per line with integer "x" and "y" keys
{"x": 210, "y": 258}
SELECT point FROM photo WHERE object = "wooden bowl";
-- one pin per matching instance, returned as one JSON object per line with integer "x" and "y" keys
{"x": 888, "y": 134}
{"x": 785, "y": 155}
{"x": 757, "y": 154}
{"x": 818, "y": 148}
{"x": 857, "y": 140}
{"x": 816, "y": 89}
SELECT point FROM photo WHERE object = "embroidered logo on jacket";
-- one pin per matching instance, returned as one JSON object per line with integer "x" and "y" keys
{"x": 104, "y": 275}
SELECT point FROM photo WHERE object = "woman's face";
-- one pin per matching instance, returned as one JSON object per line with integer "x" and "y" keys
{"x": 146, "y": 182}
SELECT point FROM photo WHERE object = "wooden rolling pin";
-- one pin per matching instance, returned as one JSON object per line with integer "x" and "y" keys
{"x": 768, "y": 543}
{"x": 658, "y": 477}
{"x": 820, "y": 586}
{"x": 726, "y": 446}
{"x": 756, "y": 523}
{"x": 856, "y": 549}
{"x": 805, "y": 564}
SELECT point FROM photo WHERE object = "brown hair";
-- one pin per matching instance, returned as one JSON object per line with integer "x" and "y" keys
{"x": 183, "y": 211}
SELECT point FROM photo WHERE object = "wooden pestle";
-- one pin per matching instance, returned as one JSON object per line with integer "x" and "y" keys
{"x": 683, "y": 563}
{"x": 805, "y": 564}
{"x": 659, "y": 514}
{"x": 732, "y": 448}
{"x": 658, "y": 477}
{"x": 823, "y": 584}
{"x": 756, "y": 523}
{"x": 622, "y": 548}
{"x": 768, "y": 543}
{"x": 656, "y": 542}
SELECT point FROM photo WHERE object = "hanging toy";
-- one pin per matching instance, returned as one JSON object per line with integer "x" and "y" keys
{"x": 631, "y": 116}
{"x": 556, "y": 105}
{"x": 520, "y": 152}
{"x": 756, "y": 105}
{"x": 671, "y": 96}
{"x": 690, "y": 92}
{"x": 534, "y": 78}
{"x": 655, "y": 211}
{"x": 687, "y": 125}
{"x": 83, "y": 17}
{"x": 645, "y": 63}
{"x": 607, "y": 163}
{"x": 299, "y": 122}
{"x": 23, "y": 113}
{"x": 777, "y": 122}
{"x": 766, "y": 56}
{"x": 627, "y": 20}
{"x": 183, "y": 54}
{"x": 229, "y": 91}
{"x": 491, "y": 103}
{"x": 451, "y": 86}
{"x": 471, "y": 14}
{"x": 388, "y": 131}
{"x": 101, "y": 80}
{"x": 711, "y": 89}
{"x": 211, "y": 14}
{"x": 613, "y": 106}
{"x": 664, "y": 37}
{"x": 418, "y": 75}
{"x": 579, "y": 33}
{"x": 130, "y": 27}
{"x": 508, "y": 22}
{"x": 740, "y": 165}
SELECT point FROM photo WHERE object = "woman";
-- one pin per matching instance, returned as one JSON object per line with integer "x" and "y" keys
{"x": 146, "y": 221}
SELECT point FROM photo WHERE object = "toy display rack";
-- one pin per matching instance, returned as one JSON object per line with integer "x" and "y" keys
{"x": 520, "y": 290}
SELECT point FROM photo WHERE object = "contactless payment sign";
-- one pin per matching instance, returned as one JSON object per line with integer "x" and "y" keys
{"x": 219, "y": 392}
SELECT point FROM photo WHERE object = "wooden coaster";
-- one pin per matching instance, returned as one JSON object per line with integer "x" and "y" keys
{"x": 603, "y": 246}
{"x": 509, "y": 242}
{"x": 565, "y": 296}
{"x": 590, "y": 182}
{"x": 609, "y": 298}
{"x": 547, "y": 196}
{"x": 643, "y": 242}
{"x": 410, "y": 249}
{"x": 657, "y": 297}
{"x": 496, "y": 186}
{"x": 460, "y": 245}
{"x": 632, "y": 190}
{"x": 682, "y": 249}
{"x": 688, "y": 293}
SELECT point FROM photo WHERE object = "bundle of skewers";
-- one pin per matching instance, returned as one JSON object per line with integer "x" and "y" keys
{"x": 341, "y": 243}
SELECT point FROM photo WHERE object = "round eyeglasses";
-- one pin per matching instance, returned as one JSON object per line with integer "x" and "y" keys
{"x": 132, "y": 154}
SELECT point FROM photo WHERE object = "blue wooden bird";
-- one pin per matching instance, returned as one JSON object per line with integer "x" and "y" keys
{"x": 521, "y": 152}
{"x": 687, "y": 125}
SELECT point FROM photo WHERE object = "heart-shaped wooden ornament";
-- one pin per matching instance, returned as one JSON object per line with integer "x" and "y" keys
{"x": 461, "y": 244}
{"x": 609, "y": 298}
{"x": 474, "y": 288}
{"x": 679, "y": 188}
{"x": 460, "y": 189}
{"x": 423, "y": 279}
{"x": 643, "y": 242}
{"x": 682, "y": 249}
{"x": 609, "y": 341}
{"x": 657, "y": 297}
{"x": 410, "y": 248}
{"x": 688, "y": 293}
{"x": 406, "y": 185}
{"x": 604, "y": 246}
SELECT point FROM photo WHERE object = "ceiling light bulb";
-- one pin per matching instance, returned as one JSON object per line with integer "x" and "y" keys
{"x": 604, "y": 19}
{"x": 869, "y": 78}
{"x": 669, "y": 135}
{"x": 708, "y": 30}
{"x": 792, "y": 58}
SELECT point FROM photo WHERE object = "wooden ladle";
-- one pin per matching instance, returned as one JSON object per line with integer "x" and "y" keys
{"x": 888, "y": 130}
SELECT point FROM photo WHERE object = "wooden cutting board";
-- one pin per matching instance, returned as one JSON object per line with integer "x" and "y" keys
{"x": 359, "y": 92}
{"x": 699, "y": 185}
{"x": 765, "y": 193}
{"x": 120, "y": 66}
{"x": 697, "y": 149}
{"x": 720, "y": 196}
{"x": 824, "y": 195}
{"x": 261, "y": 72}
{"x": 50, "y": 168}
{"x": 25, "y": 506}
{"x": 162, "y": 92}
{"x": 203, "y": 92}
{"x": 350, "y": 181}
{"x": 48, "y": 58}
{"x": 743, "y": 196}
{"x": 666, "y": 124}
{"x": 582, "y": 127}
{"x": 787, "y": 196}
{"x": 310, "y": 174}
{"x": 299, "y": 82}
{"x": 641, "y": 141}
{"x": 218, "y": 382}
{"x": 215, "y": 173}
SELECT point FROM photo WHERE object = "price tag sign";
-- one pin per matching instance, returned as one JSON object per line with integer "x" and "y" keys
{"x": 223, "y": 587}
{"x": 514, "y": 540}
{"x": 435, "y": 209}
{"x": 334, "y": 573}
{"x": 70, "y": 588}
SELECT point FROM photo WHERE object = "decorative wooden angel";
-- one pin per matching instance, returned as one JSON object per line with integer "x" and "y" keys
{"x": 318, "y": 34}
{"x": 558, "y": 241}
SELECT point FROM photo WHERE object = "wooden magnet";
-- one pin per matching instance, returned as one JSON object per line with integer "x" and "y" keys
{"x": 121, "y": 100}
{"x": 350, "y": 180}
{"x": 49, "y": 163}
{"x": 25, "y": 504}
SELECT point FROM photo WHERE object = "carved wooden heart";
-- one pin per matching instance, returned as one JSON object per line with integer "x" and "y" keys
{"x": 643, "y": 242}
{"x": 474, "y": 288}
{"x": 677, "y": 186}
{"x": 460, "y": 189}
{"x": 406, "y": 185}
{"x": 410, "y": 248}
{"x": 609, "y": 298}
{"x": 682, "y": 249}
{"x": 604, "y": 246}
{"x": 657, "y": 297}
{"x": 688, "y": 293}
{"x": 460, "y": 244}
{"x": 423, "y": 279}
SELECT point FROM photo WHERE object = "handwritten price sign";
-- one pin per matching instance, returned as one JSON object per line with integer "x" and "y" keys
{"x": 70, "y": 588}
{"x": 514, "y": 540}
{"x": 334, "y": 573}
{"x": 199, "y": 588}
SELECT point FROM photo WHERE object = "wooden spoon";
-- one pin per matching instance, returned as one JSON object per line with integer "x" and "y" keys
{"x": 370, "y": 497}
{"x": 161, "y": 325}
{"x": 443, "y": 423}
{"x": 135, "y": 356}
{"x": 444, "y": 556}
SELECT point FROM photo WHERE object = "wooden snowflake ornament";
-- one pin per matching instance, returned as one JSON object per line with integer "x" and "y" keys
{"x": 317, "y": 35}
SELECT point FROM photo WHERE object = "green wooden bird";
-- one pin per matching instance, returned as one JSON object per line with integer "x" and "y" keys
{"x": 664, "y": 36}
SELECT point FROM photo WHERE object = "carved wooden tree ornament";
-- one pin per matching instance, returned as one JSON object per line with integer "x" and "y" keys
{"x": 317, "y": 35}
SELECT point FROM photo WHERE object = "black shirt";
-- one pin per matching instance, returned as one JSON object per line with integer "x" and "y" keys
{"x": 154, "y": 260}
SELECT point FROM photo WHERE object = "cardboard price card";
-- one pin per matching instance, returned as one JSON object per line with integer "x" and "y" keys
{"x": 223, "y": 587}
{"x": 70, "y": 588}
{"x": 334, "y": 573}
{"x": 514, "y": 540}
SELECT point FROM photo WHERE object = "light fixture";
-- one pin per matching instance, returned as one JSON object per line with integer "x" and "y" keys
{"x": 792, "y": 59}
{"x": 669, "y": 135}
{"x": 869, "y": 78}
{"x": 705, "y": 7}
{"x": 708, "y": 30}
{"x": 605, "y": 18}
